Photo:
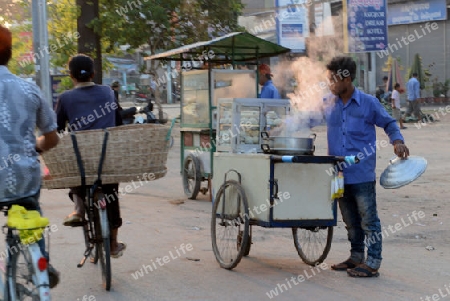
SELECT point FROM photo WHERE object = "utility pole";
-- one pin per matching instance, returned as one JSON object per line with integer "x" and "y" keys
{"x": 89, "y": 42}
{"x": 41, "y": 51}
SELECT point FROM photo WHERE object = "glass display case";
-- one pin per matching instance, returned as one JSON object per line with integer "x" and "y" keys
{"x": 195, "y": 103}
{"x": 224, "y": 83}
{"x": 233, "y": 84}
{"x": 241, "y": 121}
{"x": 224, "y": 130}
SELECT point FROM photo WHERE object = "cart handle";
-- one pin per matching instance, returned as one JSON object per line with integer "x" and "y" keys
{"x": 348, "y": 159}
{"x": 315, "y": 159}
{"x": 169, "y": 133}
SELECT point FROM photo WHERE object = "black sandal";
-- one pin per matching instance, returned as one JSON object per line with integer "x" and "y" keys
{"x": 363, "y": 271}
{"x": 343, "y": 266}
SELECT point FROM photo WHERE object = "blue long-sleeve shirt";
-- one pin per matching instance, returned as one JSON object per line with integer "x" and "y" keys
{"x": 351, "y": 132}
{"x": 269, "y": 90}
{"x": 412, "y": 89}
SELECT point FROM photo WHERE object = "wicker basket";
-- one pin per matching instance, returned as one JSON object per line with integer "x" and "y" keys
{"x": 136, "y": 152}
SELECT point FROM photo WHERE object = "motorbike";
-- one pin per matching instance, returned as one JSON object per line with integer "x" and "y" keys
{"x": 150, "y": 116}
{"x": 128, "y": 115}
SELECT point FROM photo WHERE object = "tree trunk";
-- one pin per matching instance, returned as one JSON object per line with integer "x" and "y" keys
{"x": 89, "y": 41}
{"x": 153, "y": 71}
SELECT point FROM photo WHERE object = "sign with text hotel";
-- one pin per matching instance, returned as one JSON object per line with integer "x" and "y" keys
{"x": 365, "y": 26}
{"x": 417, "y": 11}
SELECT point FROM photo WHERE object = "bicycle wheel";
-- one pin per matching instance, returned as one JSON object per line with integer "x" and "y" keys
{"x": 102, "y": 241}
{"x": 313, "y": 243}
{"x": 230, "y": 225}
{"x": 23, "y": 284}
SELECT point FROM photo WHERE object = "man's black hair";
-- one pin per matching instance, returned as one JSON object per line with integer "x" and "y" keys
{"x": 81, "y": 67}
{"x": 396, "y": 85}
{"x": 414, "y": 74}
{"x": 344, "y": 66}
{"x": 385, "y": 78}
{"x": 5, "y": 45}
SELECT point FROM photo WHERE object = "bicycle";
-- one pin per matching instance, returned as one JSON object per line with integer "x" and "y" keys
{"x": 26, "y": 269}
{"x": 95, "y": 224}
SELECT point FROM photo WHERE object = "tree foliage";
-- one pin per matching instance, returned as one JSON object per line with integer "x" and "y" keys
{"x": 62, "y": 30}
{"x": 166, "y": 24}
{"x": 21, "y": 62}
{"x": 159, "y": 25}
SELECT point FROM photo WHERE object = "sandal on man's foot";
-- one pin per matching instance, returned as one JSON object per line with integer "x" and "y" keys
{"x": 363, "y": 271}
{"x": 118, "y": 252}
{"x": 73, "y": 220}
{"x": 343, "y": 266}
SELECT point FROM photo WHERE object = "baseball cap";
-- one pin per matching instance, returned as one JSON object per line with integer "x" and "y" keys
{"x": 264, "y": 69}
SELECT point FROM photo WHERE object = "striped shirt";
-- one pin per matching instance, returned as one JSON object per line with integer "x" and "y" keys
{"x": 22, "y": 110}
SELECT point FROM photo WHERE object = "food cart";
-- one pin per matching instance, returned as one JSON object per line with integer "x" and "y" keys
{"x": 212, "y": 70}
{"x": 272, "y": 182}
{"x": 259, "y": 180}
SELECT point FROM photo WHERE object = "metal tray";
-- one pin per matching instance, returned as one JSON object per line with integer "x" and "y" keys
{"x": 401, "y": 172}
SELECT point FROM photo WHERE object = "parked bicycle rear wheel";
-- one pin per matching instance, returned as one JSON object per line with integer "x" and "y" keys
{"x": 24, "y": 281}
{"x": 102, "y": 241}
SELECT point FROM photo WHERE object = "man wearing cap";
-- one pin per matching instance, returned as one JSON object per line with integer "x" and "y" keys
{"x": 265, "y": 80}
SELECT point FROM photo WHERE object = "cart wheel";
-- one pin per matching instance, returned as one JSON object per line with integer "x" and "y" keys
{"x": 192, "y": 176}
{"x": 230, "y": 218}
{"x": 313, "y": 243}
{"x": 249, "y": 243}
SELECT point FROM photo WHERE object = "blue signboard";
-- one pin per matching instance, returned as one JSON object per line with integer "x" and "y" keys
{"x": 291, "y": 30}
{"x": 417, "y": 11}
{"x": 366, "y": 26}
{"x": 292, "y": 24}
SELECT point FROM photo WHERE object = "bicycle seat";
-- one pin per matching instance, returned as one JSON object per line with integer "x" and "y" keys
{"x": 28, "y": 202}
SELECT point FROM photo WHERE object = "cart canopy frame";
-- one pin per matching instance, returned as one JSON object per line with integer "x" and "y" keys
{"x": 232, "y": 47}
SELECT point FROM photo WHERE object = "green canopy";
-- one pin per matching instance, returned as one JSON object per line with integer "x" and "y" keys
{"x": 235, "y": 46}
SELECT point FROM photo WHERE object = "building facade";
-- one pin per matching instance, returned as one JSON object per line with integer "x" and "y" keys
{"x": 430, "y": 39}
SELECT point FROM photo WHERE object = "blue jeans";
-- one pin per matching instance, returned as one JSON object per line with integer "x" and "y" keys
{"x": 359, "y": 212}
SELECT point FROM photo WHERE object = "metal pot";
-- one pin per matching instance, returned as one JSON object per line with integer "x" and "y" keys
{"x": 287, "y": 145}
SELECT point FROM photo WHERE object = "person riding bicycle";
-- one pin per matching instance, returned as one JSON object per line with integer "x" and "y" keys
{"x": 88, "y": 107}
{"x": 22, "y": 110}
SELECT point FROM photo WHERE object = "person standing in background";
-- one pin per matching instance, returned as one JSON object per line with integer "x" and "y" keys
{"x": 412, "y": 95}
{"x": 265, "y": 80}
{"x": 396, "y": 113}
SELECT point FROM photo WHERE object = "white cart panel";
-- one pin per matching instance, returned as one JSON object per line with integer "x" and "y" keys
{"x": 309, "y": 188}
{"x": 254, "y": 170}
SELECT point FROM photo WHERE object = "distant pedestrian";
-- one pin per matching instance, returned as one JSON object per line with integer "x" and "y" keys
{"x": 412, "y": 95}
{"x": 268, "y": 90}
{"x": 396, "y": 113}
{"x": 387, "y": 92}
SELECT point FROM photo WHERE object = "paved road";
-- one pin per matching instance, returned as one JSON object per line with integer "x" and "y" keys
{"x": 160, "y": 222}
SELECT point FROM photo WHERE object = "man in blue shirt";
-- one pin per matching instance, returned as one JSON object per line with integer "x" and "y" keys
{"x": 351, "y": 119}
{"x": 412, "y": 95}
{"x": 265, "y": 80}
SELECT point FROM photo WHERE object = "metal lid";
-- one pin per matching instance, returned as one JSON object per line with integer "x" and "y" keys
{"x": 401, "y": 172}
